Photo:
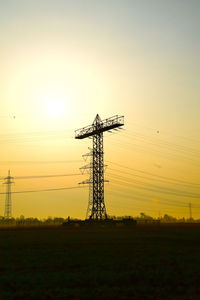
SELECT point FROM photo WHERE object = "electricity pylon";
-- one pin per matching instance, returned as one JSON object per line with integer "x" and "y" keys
{"x": 96, "y": 206}
{"x": 190, "y": 210}
{"x": 8, "y": 200}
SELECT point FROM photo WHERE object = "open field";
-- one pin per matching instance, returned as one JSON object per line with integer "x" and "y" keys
{"x": 142, "y": 262}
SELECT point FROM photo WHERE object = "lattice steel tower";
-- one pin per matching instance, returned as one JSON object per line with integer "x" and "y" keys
{"x": 96, "y": 206}
{"x": 8, "y": 200}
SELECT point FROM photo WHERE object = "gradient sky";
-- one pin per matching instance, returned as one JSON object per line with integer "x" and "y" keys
{"x": 139, "y": 59}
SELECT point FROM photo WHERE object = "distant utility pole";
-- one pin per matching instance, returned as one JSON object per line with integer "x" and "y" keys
{"x": 190, "y": 210}
{"x": 96, "y": 206}
{"x": 8, "y": 200}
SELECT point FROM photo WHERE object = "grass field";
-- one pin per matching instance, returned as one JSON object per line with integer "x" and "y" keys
{"x": 142, "y": 262}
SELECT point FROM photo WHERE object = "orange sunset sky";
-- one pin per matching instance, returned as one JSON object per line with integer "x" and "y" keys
{"x": 61, "y": 63}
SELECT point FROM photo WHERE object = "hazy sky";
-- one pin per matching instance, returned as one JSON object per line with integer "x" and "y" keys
{"x": 62, "y": 62}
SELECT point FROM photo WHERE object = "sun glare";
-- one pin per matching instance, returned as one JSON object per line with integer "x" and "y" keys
{"x": 55, "y": 108}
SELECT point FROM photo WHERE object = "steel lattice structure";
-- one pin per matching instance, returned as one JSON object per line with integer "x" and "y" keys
{"x": 8, "y": 200}
{"x": 96, "y": 206}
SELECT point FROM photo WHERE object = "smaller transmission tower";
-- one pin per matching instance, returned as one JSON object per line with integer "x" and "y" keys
{"x": 190, "y": 210}
{"x": 8, "y": 200}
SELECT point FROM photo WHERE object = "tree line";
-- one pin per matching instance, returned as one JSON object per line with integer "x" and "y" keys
{"x": 143, "y": 217}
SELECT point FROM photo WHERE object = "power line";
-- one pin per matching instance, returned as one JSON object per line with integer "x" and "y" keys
{"x": 165, "y": 132}
{"x": 142, "y": 194}
{"x": 135, "y": 206}
{"x": 139, "y": 199}
{"x": 152, "y": 178}
{"x": 152, "y": 140}
{"x": 166, "y": 155}
{"x": 159, "y": 190}
{"x": 151, "y": 174}
{"x": 44, "y": 176}
{"x": 142, "y": 183}
{"x": 46, "y": 190}
{"x": 176, "y": 150}
{"x": 39, "y": 161}
{"x": 29, "y": 135}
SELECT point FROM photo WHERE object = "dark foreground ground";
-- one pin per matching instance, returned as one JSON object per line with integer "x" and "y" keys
{"x": 142, "y": 262}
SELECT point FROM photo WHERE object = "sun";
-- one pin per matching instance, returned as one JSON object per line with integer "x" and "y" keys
{"x": 55, "y": 108}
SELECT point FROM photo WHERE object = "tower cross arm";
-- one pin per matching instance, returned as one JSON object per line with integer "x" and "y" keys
{"x": 99, "y": 127}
